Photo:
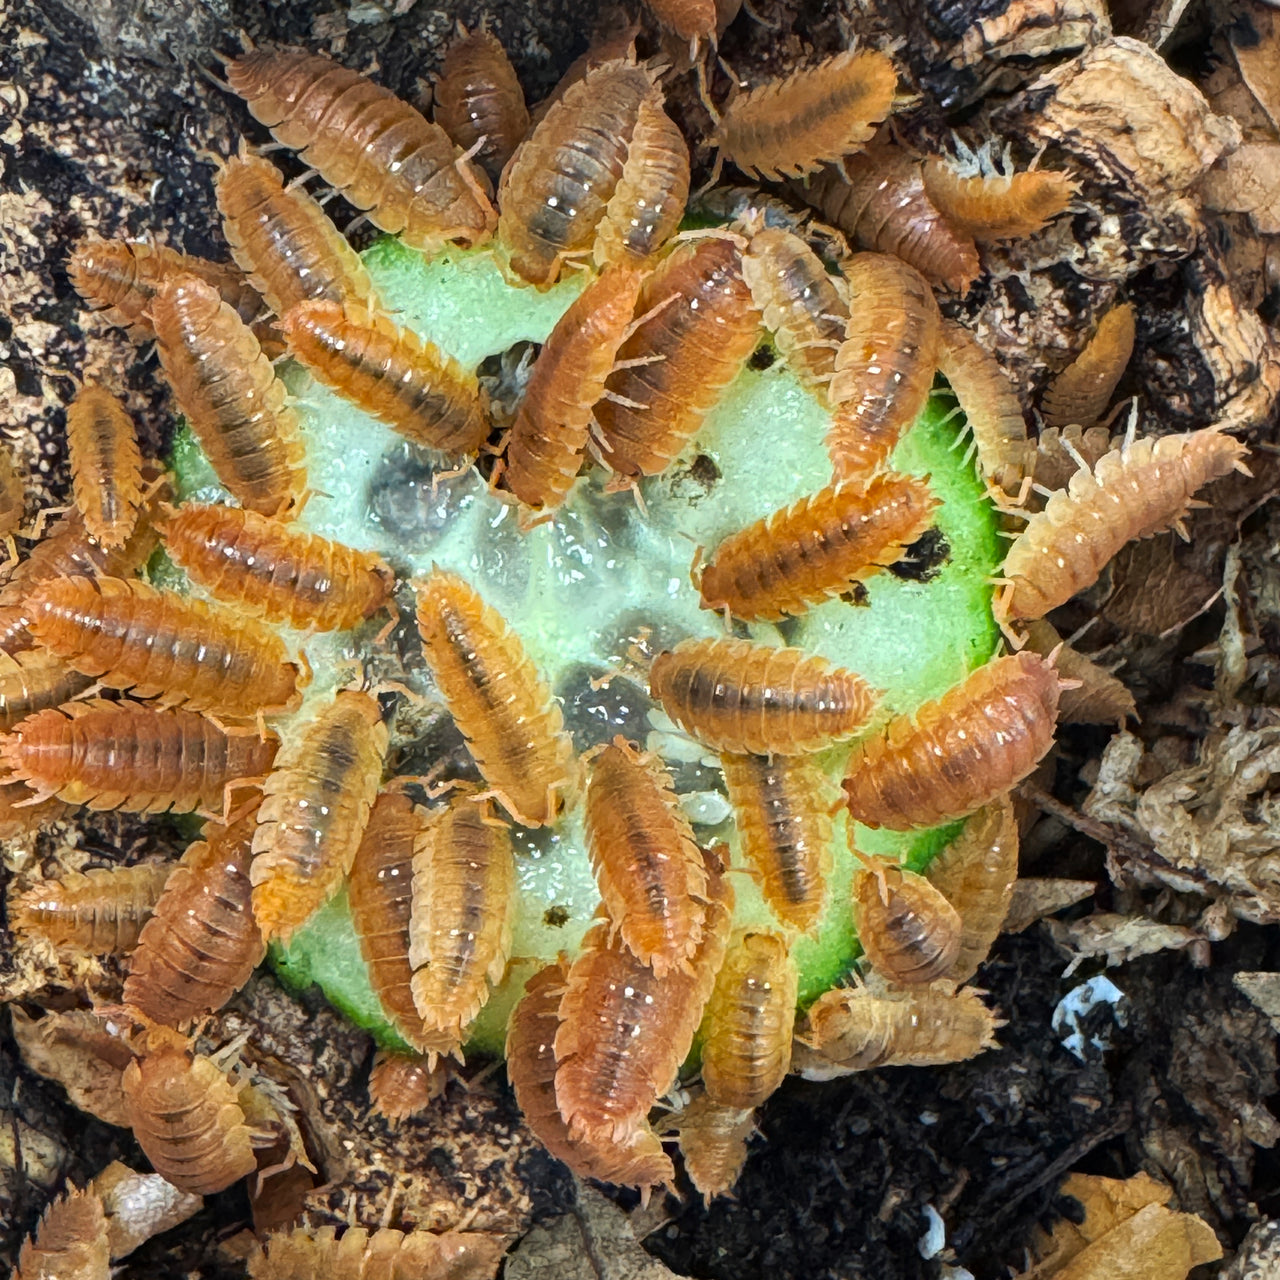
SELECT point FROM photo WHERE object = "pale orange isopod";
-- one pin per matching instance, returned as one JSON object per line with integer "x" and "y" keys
{"x": 315, "y": 805}
{"x": 906, "y": 928}
{"x": 753, "y": 699}
{"x": 100, "y": 911}
{"x": 403, "y": 1085}
{"x": 479, "y": 100}
{"x": 378, "y": 151}
{"x": 690, "y": 20}
{"x": 996, "y": 206}
{"x": 713, "y": 1143}
{"x": 502, "y": 706}
{"x": 71, "y": 1243}
{"x": 359, "y": 1254}
{"x": 32, "y": 680}
{"x": 106, "y": 464}
{"x": 958, "y": 752}
{"x": 1081, "y": 392}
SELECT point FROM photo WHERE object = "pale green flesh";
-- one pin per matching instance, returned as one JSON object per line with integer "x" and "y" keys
{"x": 574, "y": 588}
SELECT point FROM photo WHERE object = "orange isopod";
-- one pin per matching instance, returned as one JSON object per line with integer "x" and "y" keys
{"x": 958, "y": 752}
{"x": 234, "y": 403}
{"x": 975, "y": 873}
{"x": 816, "y": 548}
{"x": 690, "y": 20}
{"x": 713, "y": 1143}
{"x": 315, "y": 806}
{"x": 675, "y": 366}
{"x": 378, "y": 151}
{"x": 130, "y": 635}
{"x": 106, "y": 464}
{"x": 402, "y": 1084}
{"x": 282, "y": 239}
{"x": 908, "y": 931}
{"x": 202, "y": 942}
{"x": 611, "y": 40}
{"x": 100, "y": 911}
{"x": 992, "y": 410}
{"x": 884, "y": 368}
{"x": 276, "y": 571}
{"x": 636, "y": 1161}
{"x": 305, "y": 1252}
{"x": 554, "y": 191}
{"x": 464, "y": 888}
{"x": 649, "y": 869}
{"x": 502, "y": 706}
{"x": 390, "y": 373}
{"x": 746, "y": 1028}
{"x": 1081, "y": 392}
{"x": 1136, "y": 491}
{"x": 32, "y": 680}
{"x": 877, "y": 199}
{"x": 186, "y": 1117}
{"x": 814, "y": 116}
{"x": 783, "y": 814}
{"x": 799, "y": 303}
{"x": 753, "y": 699}
{"x": 549, "y": 434}
{"x": 996, "y": 206}
{"x": 71, "y": 1243}
{"x": 119, "y": 755}
{"x": 479, "y": 97}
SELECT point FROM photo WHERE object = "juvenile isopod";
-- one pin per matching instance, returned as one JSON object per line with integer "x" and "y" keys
{"x": 377, "y": 150}
{"x": 464, "y": 888}
{"x": 975, "y": 873}
{"x": 120, "y": 755}
{"x": 746, "y": 1028}
{"x": 1081, "y": 392}
{"x": 100, "y": 911}
{"x": 759, "y": 209}
{"x": 817, "y": 548}
{"x": 130, "y": 635}
{"x": 649, "y": 869}
{"x": 32, "y": 680}
{"x": 71, "y": 1243}
{"x": 234, "y": 403}
{"x": 782, "y": 810}
{"x": 187, "y": 1119}
{"x": 106, "y": 465}
{"x": 274, "y": 571}
{"x": 502, "y": 706}
{"x": 636, "y": 1161}
{"x": 390, "y": 373}
{"x": 306, "y": 1252}
{"x": 479, "y": 100}
{"x": 675, "y": 366}
{"x": 740, "y": 697}
{"x": 814, "y": 116}
{"x": 884, "y": 368}
{"x": 907, "y": 929}
{"x": 1144, "y": 488}
{"x": 994, "y": 205}
{"x": 202, "y": 942}
{"x": 402, "y": 1085}
{"x": 282, "y": 239}
{"x": 549, "y": 435}
{"x": 958, "y": 752}
{"x": 713, "y": 1143}
{"x": 315, "y": 805}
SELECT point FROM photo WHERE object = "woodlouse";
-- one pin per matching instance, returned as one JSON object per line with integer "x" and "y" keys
{"x": 677, "y": 363}
{"x": 746, "y": 1028}
{"x": 234, "y": 403}
{"x": 186, "y": 1117}
{"x": 478, "y": 97}
{"x": 306, "y": 1252}
{"x": 391, "y": 373}
{"x": 549, "y": 435}
{"x": 816, "y": 115}
{"x": 690, "y": 20}
{"x": 649, "y": 869}
{"x": 958, "y": 752}
{"x": 1080, "y": 394}
{"x": 71, "y": 1243}
{"x": 884, "y": 368}
{"x": 282, "y": 239}
{"x": 996, "y": 206}
{"x": 130, "y": 635}
{"x": 106, "y": 465}
{"x": 975, "y": 873}
{"x": 276, "y": 571}
{"x": 100, "y": 911}
{"x": 464, "y": 888}
{"x": 1137, "y": 491}
{"x": 202, "y": 942}
{"x": 402, "y": 1085}
{"x": 906, "y": 928}
{"x": 713, "y": 1143}
{"x": 315, "y": 805}
{"x": 753, "y": 699}
{"x": 783, "y": 813}
{"x": 816, "y": 548}
{"x": 636, "y": 1161}
{"x": 32, "y": 680}
{"x": 502, "y": 706}
{"x": 119, "y": 755}
{"x": 377, "y": 150}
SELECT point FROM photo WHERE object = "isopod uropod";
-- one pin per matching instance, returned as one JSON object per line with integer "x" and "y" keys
{"x": 1081, "y": 392}
{"x": 106, "y": 464}
{"x": 100, "y": 911}
{"x": 908, "y": 930}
